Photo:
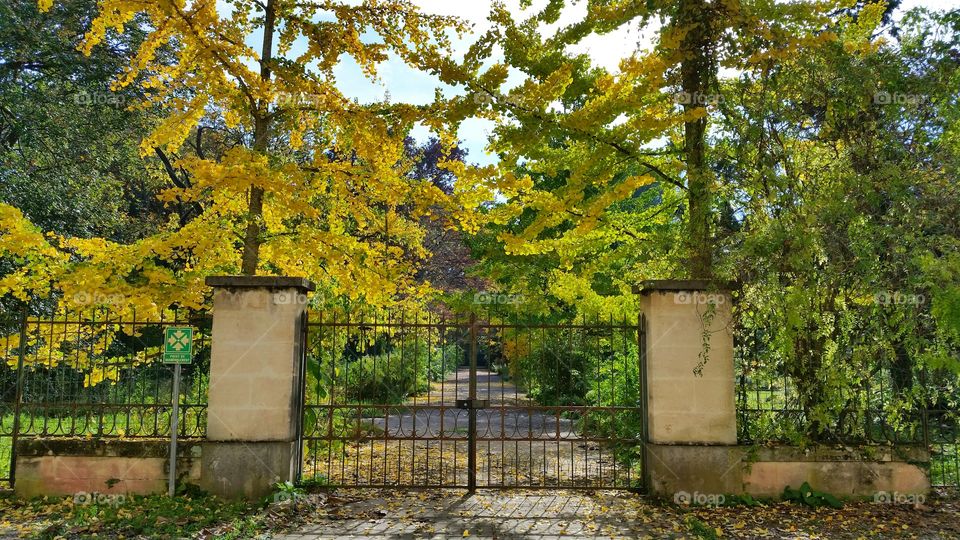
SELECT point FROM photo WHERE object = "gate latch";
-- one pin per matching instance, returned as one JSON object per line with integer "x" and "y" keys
{"x": 472, "y": 403}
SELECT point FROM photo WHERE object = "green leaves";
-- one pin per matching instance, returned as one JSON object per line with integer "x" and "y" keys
{"x": 847, "y": 247}
{"x": 810, "y": 497}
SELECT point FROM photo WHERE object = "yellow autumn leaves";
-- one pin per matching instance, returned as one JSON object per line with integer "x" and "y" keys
{"x": 339, "y": 206}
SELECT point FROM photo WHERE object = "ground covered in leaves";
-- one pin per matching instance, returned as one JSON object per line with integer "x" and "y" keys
{"x": 293, "y": 514}
{"x": 188, "y": 515}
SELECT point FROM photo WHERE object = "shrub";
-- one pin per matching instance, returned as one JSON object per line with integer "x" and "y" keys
{"x": 615, "y": 383}
{"x": 387, "y": 377}
{"x": 554, "y": 372}
{"x": 398, "y": 370}
{"x": 445, "y": 360}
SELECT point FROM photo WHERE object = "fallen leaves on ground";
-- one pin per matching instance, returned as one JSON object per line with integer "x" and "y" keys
{"x": 609, "y": 514}
{"x": 157, "y": 516}
{"x": 486, "y": 514}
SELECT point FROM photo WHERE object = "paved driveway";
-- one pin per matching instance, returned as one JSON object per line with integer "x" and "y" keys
{"x": 424, "y": 442}
{"x": 494, "y": 514}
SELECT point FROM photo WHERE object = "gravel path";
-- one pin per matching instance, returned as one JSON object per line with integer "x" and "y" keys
{"x": 519, "y": 444}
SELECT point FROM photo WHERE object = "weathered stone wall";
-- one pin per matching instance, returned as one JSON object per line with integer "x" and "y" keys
{"x": 60, "y": 467}
{"x": 848, "y": 473}
{"x": 766, "y": 471}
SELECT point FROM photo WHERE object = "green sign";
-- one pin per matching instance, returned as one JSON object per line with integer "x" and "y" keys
{"x": 178, "y": 345}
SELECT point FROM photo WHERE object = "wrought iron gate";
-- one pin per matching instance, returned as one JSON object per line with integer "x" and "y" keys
{"x": 425, "y": 400}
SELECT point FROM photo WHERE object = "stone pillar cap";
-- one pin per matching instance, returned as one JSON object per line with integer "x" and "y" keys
{"x": 260, "y": 282}
{"x": 651, "y": 285}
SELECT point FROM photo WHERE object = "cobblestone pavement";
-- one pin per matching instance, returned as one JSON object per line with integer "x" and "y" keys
{"x": 550, "y": 515}
{"x": 495, "y": 514}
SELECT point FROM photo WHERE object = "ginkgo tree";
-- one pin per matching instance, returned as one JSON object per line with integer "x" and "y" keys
{"x": 272, "y": 169}
{"x": 311, "y": 184}
{"x": 820, "y": 173}
{"x": 595, "y": 137}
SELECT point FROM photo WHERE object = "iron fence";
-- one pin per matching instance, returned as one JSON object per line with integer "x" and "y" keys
{"x": 884, "y": 406}
{"x": 430, "y": 400}
{"x": 96, "y": 374}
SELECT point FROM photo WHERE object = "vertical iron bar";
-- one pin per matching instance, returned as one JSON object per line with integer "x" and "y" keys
{"x": 404, "y": 360}
{"x": 46, "y": 391}
{"x": 644, "y": 414}
{"x": 156, "y": 387}
{"x": 442, "y": 340}
{"x": 103, "y": 369}
{"x": 302, "y": 329}
{"x": 472, "y": 436}
{"x": 18, "y": 397}
{"x": 331, "y": 398}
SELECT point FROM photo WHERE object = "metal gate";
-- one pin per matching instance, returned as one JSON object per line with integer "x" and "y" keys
{"x": 478, "y": 401}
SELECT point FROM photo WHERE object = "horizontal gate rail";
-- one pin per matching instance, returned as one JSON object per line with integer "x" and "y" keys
{"x": 467, "y": 325}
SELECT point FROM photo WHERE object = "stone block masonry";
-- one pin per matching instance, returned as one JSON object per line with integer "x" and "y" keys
{"x": 255, "y": 369}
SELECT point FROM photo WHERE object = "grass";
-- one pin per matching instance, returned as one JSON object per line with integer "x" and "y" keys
{"x": 152, "y": 516}
{"x": 192, "y": 513}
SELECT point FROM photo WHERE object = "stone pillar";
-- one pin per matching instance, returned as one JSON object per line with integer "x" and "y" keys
{"x": 254, "y": 396}
{"x": 684, "y": 406}
{"x": 690, "y": 399}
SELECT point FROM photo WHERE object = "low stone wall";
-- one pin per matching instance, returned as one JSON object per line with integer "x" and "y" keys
{"x": 60, "y": 467}
{"x": 766, "y": 471}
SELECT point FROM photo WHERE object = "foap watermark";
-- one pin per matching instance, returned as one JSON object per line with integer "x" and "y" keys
{"x": 100, "y": 98}
{"x": 896, "y": 298}
{"x": 497, "y": 298}
{"x": 697, "y": 98}
{"x": 299, "y": 99}
{"x": 82, "y": 498}
{"x": 290, "y": 297}
{"x": 288, "y": 497}
{"x": 698, "y": 298}
{"x": 486, "y": 98}
{"x": 246, "y": 300}
{"x": 896, "y": 98}
{"x": 699, "y": 499}
{"x": 483, "y": 98}
{"x": 287, "y": 494}
{"x": 886, "y": 497}
{"x": 86, "y": 298}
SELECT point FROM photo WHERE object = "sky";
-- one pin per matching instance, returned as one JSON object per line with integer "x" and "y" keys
{"x": 405, "y": 84}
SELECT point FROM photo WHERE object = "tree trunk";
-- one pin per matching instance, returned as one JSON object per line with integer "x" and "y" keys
{"x": 696, "y": 72}
{"x": 261, "y": 141}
